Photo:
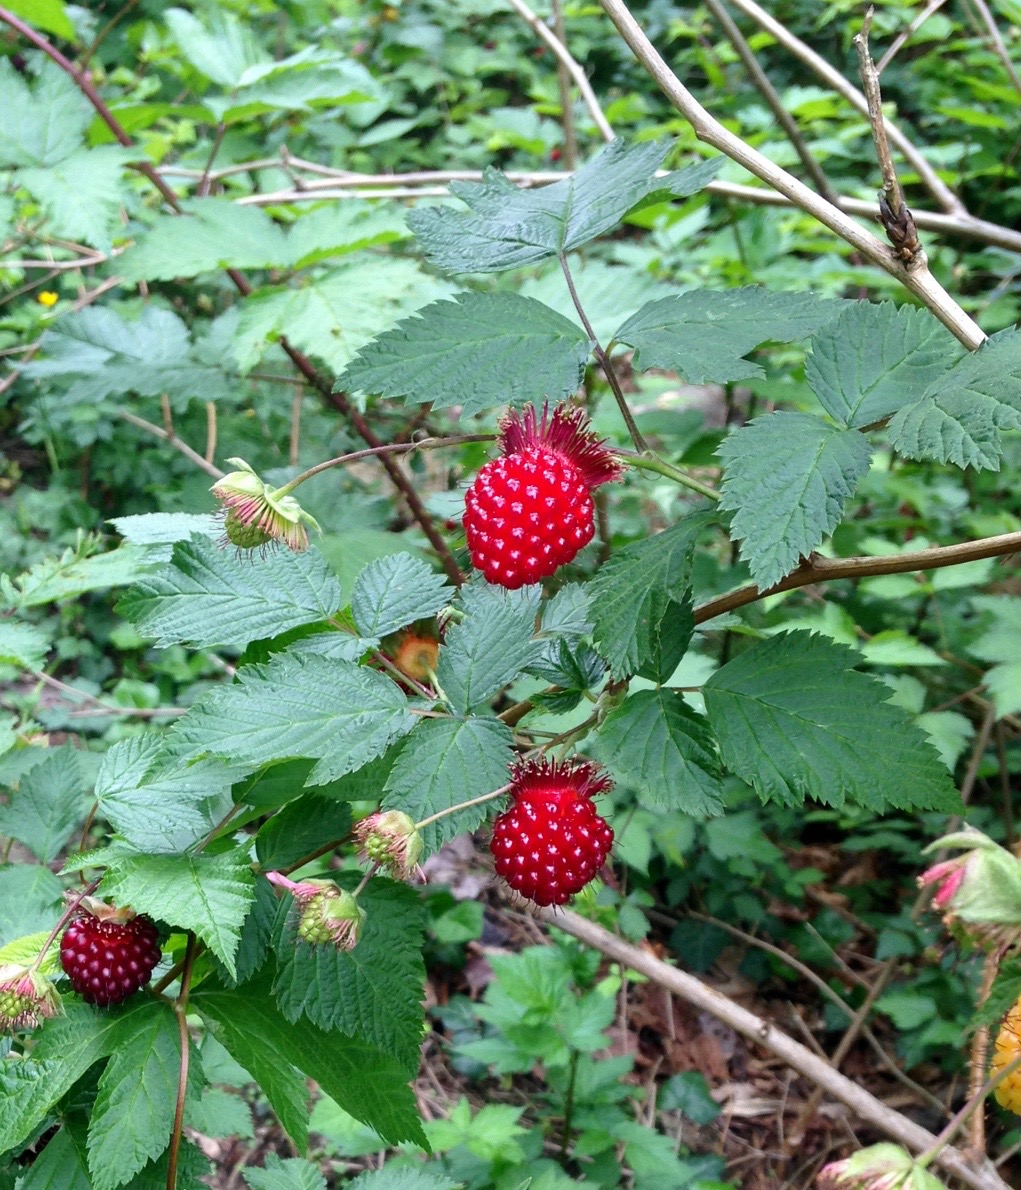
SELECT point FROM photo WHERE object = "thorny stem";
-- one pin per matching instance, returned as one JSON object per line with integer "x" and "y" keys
{"x": 604, "y": 362}
{"x": 475, "y": 801}
{"x": 181, "y": 1009}
{"x": 391, "y": 448}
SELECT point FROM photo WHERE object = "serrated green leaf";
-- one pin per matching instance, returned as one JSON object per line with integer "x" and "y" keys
{"x": 656, "y": 744}
{"x": 393, "y": 592}
{"x": 372, "y": 992}
{"x": 52, "y": 115}
{"x": 81, "y": 194}
{"x": 365, "y": 1082}
{"x": 134, "y": 1109}
{"x": 795, "y": 720}
{"x": 335, "y": 712}
{"x": 209, "y": 894}
{"x": 62, "y": 1165}
{"x": 332, "y": 317}
{"x": 157, "y": 805}
{"x": 960, "y": 416}
{"x": 641, "y": 601}
{"x": 192, "y": 1165}
{"x": 48, "y": 804}
{"x": 704, "y": 335}
{"x": 65, "y": 1048}
{"x": 166, "y": 528}
{"x": 23, "y": 645}
{"x": 506, "y": 227}
{"x": 208, "y": 596}
{"x": 30, "y": 899}
{"x": 445, "y": 762}
{"x": 217, "y": 233}
{"x": 222, "y": 52}
{"x": 477, "y": 351}
{"x": 787, "y": 478}
{"x": 292, "y": 1174}
{"x": 405, "y": 1179}
{"x": 1000, "y": 643}
{"x": 24, "y": 952}
{"x": 102, "y": 355}
{"x": 490, "y": 647}
{"x": 876, "y": 357}
{"x": 299, "y": 828}
{"x": 69, "y": 576}
{"x": 219, "y": 1114}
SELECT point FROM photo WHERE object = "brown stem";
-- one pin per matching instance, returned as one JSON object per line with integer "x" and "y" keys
{"x": 564, "y": 85}
{"x": 978, "y": 1058}
{"x": 823, "y": 570}
{"x": 64, "y": 918}
{"x": 181, "y": 1009}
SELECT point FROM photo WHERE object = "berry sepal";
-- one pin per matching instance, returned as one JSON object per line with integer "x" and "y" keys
{"x": 327, "y": 913}
{"x": 254, "y": 514}
{"x": 564, "y": 432}
{"x": 26, "y": 998}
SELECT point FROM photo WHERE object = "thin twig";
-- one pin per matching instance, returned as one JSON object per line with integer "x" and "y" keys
{"x": 564, "y": 56}
{"x": 773, "y": 101}
{"x": 999, "y": 45}
{"x": 863, "y": 1105}
{"x": 294, "y": 445}
{"x": 824, "y": 570}
{"x": 175, "y": 442}
{"x": 564, "y": 85}
{"x": 895, "y": 215}
{"x": 210, "y": 430}
{"x": 929, "y": 177}
{"x": 604, "y": 362}
{"x": 920, "y": 281}
{"x": 904, "y": 34}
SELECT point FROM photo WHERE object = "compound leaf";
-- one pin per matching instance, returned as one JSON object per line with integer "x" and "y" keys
{"x": 372, "y": 992}
{"x": 505, "y": 226}
{"x": 444, "y": 762}
{"x": 335, "y": 712}
{"x": 641, "y": 602}
{"x": 394, "y": 591}
{"x": 960, "y": 416}
{"x": 210, "y": 597}
{"x": 134, "y": 1110}
{"x": 477, "y": 350}
{"x": 876, "y": 357}
{"x": 795, "y": 720}
{"x": 787, "y": 479}
{"x": 704, "y": 335}
{"x": 209, "y": 894}
{"x": 656, "y": 744}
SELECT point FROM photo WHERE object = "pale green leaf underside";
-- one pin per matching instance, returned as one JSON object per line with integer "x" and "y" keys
{"x": 209, "y": 894}
{"x": 477, "y": 351}
{"x": 960, "y": 417}
{"x": 394, "y": 591}
{"x": 656, "y": 744}
{"x": 795, "y": 721}
{"x": 209, "y": 596}
{"x": 704, "y": 335}
{"x": 293, "y": 1173}
{"x": 875, "y": 358}
{"x": 446, "y": 762}
{"x": 335, "y": 712}
{"x": 506, "y": 227}
{"x": 787, "y": 479}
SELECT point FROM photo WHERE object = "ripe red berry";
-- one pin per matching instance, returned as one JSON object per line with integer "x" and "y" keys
{"x": 107, "y": 955}
{"x": 530, "y": 511}
{"x": 551, "y": 841}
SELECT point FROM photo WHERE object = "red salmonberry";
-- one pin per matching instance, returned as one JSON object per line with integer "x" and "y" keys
{"x": 551, "y": 841}
{"x": 108, "y": 954}
{"x": 530, "y": 511}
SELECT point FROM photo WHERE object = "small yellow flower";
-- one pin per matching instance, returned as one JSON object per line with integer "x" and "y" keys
{"x": 47, "y": 298}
